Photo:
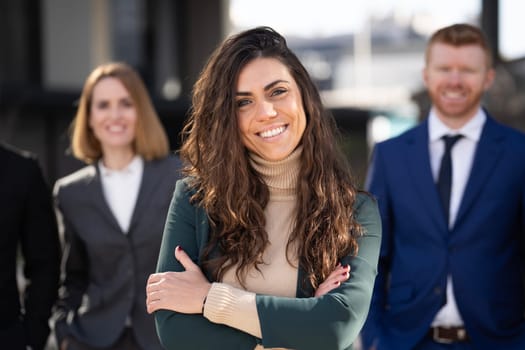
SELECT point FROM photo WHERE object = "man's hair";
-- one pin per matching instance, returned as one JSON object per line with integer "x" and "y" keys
{"x": 461, "y": 34}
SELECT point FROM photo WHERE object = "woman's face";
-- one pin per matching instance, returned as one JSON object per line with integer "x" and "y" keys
{"x": 113, "y": 115}
{"x": 270, "y": 110}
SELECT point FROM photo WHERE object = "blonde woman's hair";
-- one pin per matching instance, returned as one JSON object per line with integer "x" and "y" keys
{"x": 150, "y": 142}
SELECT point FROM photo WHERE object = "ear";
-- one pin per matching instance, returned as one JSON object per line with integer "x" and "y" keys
{"x": 489, "y": 78}
{"x": 424, "y": 74}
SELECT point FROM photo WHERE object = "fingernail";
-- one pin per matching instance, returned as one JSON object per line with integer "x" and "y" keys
{"x": 178, "y": 248}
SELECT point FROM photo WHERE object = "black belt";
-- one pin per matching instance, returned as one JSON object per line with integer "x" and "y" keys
{"x": 448, "y": 335}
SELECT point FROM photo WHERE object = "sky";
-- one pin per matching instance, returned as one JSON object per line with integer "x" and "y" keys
{"x": 328, "y": 17}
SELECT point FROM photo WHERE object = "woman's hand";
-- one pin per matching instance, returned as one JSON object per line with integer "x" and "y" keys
{"x": 178, "y": 291}
{"x": 334, "y": 280}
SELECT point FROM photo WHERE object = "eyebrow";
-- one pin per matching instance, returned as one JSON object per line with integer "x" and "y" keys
{"x": 266, "y": 87}
{"x": 119, "y": 98}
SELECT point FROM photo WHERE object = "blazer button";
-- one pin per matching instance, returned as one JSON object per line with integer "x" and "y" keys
{"x": 437, "y": 291}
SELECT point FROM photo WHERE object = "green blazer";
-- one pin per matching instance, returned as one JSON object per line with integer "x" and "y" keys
{"x": 330, "y": 322}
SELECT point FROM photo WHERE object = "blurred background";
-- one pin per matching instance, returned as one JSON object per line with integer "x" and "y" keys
{"x": 366, "y": 58}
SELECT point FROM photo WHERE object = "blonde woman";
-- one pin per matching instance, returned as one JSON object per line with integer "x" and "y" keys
{"x": 112, "y": 214}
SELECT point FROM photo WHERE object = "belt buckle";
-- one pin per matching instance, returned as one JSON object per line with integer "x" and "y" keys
{"x": 461, "y": 334}
{"x": 438, "y": 339}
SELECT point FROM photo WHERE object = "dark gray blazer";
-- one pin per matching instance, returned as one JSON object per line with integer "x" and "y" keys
{"x": 104, "y": 269}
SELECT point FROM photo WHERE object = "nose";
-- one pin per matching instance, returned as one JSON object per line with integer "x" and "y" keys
{"x": 267, "y": 110}
{"x": 115, "y": 112}
{"x": 454, "y": 76}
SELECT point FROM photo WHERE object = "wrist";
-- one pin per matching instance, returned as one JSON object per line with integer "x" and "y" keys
{"x": 205, "y": 298}
{"x": 203, "y": 304}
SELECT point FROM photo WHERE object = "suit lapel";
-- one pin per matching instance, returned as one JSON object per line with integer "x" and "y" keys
{"x": 485, "y": 161}
{"x": 151, "y": 178}
{"x": 417, "y": 160}
{"x": 98, "y": 199}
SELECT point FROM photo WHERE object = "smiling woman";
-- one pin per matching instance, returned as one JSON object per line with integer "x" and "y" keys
{"x": 270, "y": 110}
{"x": 111, "y": 214}
{"x": 113, "y": 116}
{"x": 263, "y": 233}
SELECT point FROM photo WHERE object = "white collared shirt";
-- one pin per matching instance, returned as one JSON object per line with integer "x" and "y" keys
{"x": 462, "y": 155}
{"x": 121, "y": 189}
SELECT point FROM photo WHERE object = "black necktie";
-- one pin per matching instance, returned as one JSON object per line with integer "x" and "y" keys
{"x": 444, "y": 183}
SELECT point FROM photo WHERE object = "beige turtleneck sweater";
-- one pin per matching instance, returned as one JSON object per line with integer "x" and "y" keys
{"x": 228, "y": 302}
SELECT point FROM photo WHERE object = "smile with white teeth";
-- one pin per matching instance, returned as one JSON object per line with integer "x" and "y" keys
{"x": 272, "y": 132}
{"x": 452, "y": 94}
{"x": 115, "y": 128}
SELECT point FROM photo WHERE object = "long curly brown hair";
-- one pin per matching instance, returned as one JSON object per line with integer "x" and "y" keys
{"x": 233, "y": 193}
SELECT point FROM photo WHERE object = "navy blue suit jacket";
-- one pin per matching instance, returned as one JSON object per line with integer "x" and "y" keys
{"x": 483, "y": 252}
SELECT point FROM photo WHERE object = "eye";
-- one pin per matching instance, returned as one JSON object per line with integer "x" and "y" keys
{"x": 242, "y": 102}
{"x": 468, "y": 70}
{"x": 278, "y": 91}
{"x": 101, "y": 104}
{"x": 126, "y": 103}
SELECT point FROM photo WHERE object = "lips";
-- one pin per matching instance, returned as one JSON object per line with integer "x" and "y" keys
{"x": 116, "y": 128}
{"x": 453, "y": 94}
{"x": 272, "y": 132}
